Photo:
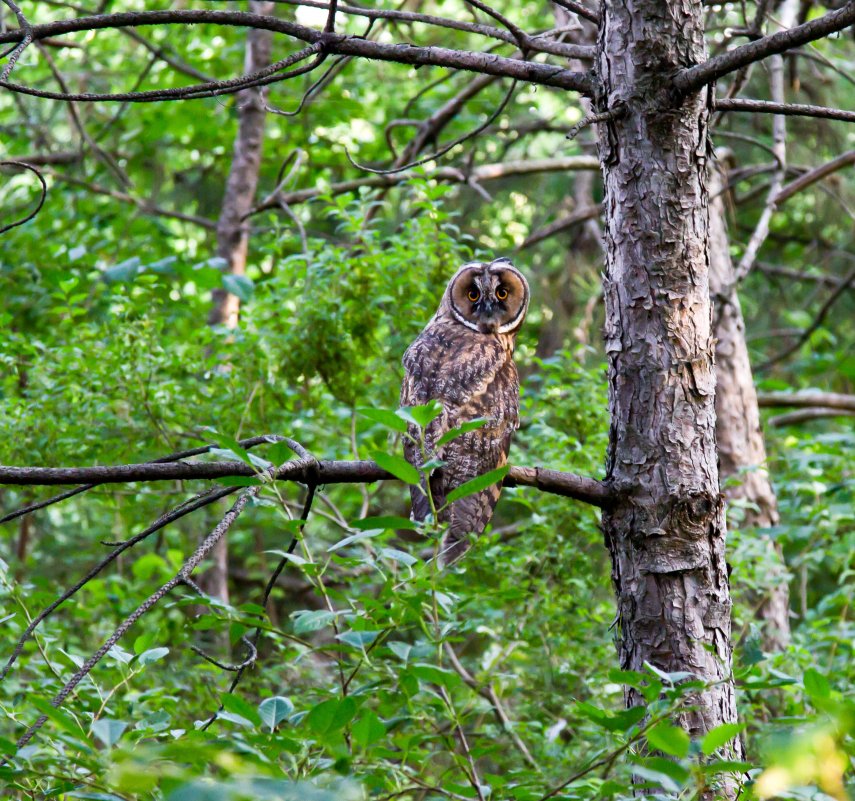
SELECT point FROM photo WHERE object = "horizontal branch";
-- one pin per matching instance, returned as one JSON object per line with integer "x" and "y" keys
{"x": 476, "y": 175}
{"x": 805, "y": 415}
{"x": 538, "y": 42}
{"x": 693, "y": 78}
{"x": 787, "y": 109}
{"x": 805, "y": 400}
{"x": 333, "y": 43}
{"x": 812, "y": 176}
{"x": 562, "y": 224}
{"x": 556, "y": 482}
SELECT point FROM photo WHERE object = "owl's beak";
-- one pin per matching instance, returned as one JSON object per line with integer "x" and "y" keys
{"x": 488, "y": 322}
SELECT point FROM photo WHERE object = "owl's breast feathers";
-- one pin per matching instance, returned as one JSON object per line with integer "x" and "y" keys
{"x": 473, "y": 376}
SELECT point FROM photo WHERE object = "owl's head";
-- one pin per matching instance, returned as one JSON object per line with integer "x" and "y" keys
{"x": 489, "y": 297}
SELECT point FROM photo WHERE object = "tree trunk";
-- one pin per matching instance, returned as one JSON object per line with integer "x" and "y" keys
{"x": 741, "y": 449}
{"x": 666, "y": 532}
{"x": 233, "y": 224}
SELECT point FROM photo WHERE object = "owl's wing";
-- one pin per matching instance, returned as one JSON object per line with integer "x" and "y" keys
{"x": 475, "y": 453}
{"x": 423, "y": 362}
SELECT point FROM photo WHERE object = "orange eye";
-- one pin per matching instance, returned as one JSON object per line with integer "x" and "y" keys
{"x": 474, "y": 294}
{"x": 501, "y": 293}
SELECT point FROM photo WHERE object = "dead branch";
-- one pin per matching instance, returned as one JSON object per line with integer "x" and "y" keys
{"x": 789, "y": 109}
{"x": 335, "y": 44}
{"x": 805, "y": 415}
{"x": 485, "y": 172}
{"x": 779, "y": 149}
{"x": 806, "y": 400}
{"x": 568, "y": 485}
{"x": 180, "y": 577}
{"x": 798, "y": 275}
{"x": 847, "y": 281}
{"x": 577, "y": 8}
{"x": 15, "y": 53}
{"x": 41, "y": 202}
{"x": 816, "y": 174}
{"x": 562, "y": 224}
{"x": 533, "y": 43}
{"x": 693, "y": 78}
{"x": 445, "y": 148}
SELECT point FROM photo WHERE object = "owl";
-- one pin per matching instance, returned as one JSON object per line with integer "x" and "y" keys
{"x": 464, "y": 359}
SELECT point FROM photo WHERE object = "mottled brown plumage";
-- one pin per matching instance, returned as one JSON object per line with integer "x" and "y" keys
{"x": 464, "y": 359}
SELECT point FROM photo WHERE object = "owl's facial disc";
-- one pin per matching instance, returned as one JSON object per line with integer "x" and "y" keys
{"x": 491, "y": 298}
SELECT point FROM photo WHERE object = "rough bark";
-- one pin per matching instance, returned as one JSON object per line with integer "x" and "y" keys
{"x": 741, "y": 448}
{"x": 233, "y": 225}
{"x": 666, "y": 531}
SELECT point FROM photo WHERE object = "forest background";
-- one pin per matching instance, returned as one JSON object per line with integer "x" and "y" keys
{"x": 136, "y": 325}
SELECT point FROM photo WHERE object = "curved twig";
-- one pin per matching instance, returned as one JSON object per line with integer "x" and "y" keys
{"x": 443, "y": 150}
{"x": 41, "y": 202}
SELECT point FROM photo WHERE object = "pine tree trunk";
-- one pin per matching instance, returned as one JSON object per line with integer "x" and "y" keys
{"x": 741, "y": 449}
{"x": 666, "y": 532}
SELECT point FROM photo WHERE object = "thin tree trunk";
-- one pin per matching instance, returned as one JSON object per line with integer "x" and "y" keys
{"x": 666, "y": 533}
{"x": 741, "y": 449}
{"x": 233, "y": 223}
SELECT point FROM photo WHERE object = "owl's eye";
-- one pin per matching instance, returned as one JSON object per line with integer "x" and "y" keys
{"x": 501, "y": 293}
{"x": 474, "y": 294}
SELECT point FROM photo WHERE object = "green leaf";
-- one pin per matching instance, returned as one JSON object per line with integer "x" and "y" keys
{"x": 388, "y": 522}
{"x": 108, "y": 731}
{"x": 274, "y": 710}
{"x": 435, "y": 675}
{"x": 358, "y": 639}
{"x": 60, "y": 717}
{"x": 477, "y": 484}
{"x": 239, "y": 285}
{"x": 368, "y": 729}
{"x": 717, "y": 737}
{"x": 422, "y": 416}
{"x": 152, "y": 655}
{"x": 448, "y": 436}
{"x": 395, "y": 555}
{"x": 817, "y": 686}
{"x": 397, "y": 466}
{"x": 669, "y": 739}
{"x": 122, "y": 273}
{"x": 349, "y": 540}
{"x": 330, "y": 716}
{"x": 307, "y": 621}
{"x": 385, "y": 418}
{"x": 240, "y": 706}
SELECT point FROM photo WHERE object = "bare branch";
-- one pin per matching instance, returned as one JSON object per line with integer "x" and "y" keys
{"x": 143, "y": 205}
{"x": 798, "y": 275}
{"x": 847, "y": 281}
{"x": 692, "y": 78}
{"x": 556, "y": 482}
{"x": 532, "y": 42}
{"x": 814, "y": 175}
{"x": 16, "y": 51}
{"x": 806, "y": 400}
{"x": 561, "y": 224}
{"x": 337, "y": 44}
{"x": 804, "y": 415}
{"x": 180, "y": 577}
{"x": 486, "y": 172}
{"x": 789, "y": 109}
{"x": 779, "y": 149}
{"x": 41, "y": 202}
{"x": 579, "y": 9}
{"x": 446, "y": 148}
